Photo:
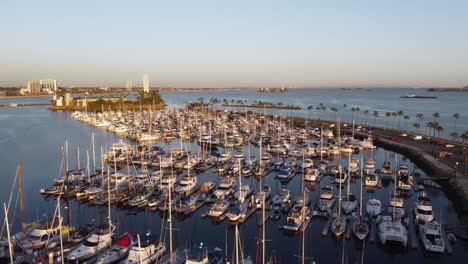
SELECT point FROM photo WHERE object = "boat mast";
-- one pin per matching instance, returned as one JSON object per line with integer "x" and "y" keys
{"x": 339, "y": 192}
{"x": 19, "y": 172}
{"x": 237, "y": 243}
{"x": 10, "y": 246}
{"x": 263, "y": 229}
{"x": 321, "y": 143}
{"x": 66, "y": 154}
{"x": 360, "y": 203}
{"x": 170, "y": 212}
{"x": 108, "y": 198}
{"x": 139, "y": 248}
{"x": 87, "y": 166}
{"x": 348, "y": 186}
{"x": 394, "y": 189}
{"x": 94, "y": 154}
{"x": 60, "y": 228}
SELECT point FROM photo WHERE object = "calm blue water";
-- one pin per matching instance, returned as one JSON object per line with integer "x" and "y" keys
{"x": 34, "y": 136}
{"x": 381, "y": 100}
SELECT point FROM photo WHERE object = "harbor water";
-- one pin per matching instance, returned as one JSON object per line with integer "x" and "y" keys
{"x": 35, "y": 136}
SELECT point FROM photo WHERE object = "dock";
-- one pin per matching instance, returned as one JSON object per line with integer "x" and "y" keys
{"x": 373, "y": 230}
{"x": 247, "y": 215}
{"x": 349, "y": 227}
{"x": 448, "y": 246}
{"x": 326, "y": 227}
{"x": 412, "y": 232}
{"x": 306, "y": 223}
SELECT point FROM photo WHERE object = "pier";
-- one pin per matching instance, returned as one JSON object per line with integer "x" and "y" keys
{"x": 413, "y": 239}
{"x": 373, "y": 230}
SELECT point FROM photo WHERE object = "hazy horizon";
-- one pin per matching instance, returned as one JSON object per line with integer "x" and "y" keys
{"x": 223, "y": 44}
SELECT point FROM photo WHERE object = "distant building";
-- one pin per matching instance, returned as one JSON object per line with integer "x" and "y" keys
{"x": 129, "y": 86}
{"x": 49, "y": 86}
{"x": 68, "y": 99}
{"x": 59, "y": 101}
{"x": 34, "y": 87}
{"x": 24, "y": 91}
{"x": 146, "y": 83}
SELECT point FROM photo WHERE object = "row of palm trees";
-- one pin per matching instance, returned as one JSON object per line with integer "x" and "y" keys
{"x": 434, "y": 127}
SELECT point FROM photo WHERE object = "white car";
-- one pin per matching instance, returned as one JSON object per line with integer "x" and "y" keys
{"x": 418, "y": 137}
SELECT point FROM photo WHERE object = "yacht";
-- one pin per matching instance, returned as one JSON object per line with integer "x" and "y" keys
{"x": 353, "y": 166}
{"x": 404, "y": 179}
{"x": 285, "y": 173}
{"x": 431, "y": 236}
{"x": 327, "y": 200}
{"x": 119, "y": 249}
{"x": 392, "y": 230}
{"x": 307, "y": 163}
{"x": 338, "y": 225}
{"x": 372, "y": 180}
{"x": 243, "y": 192}
{"x": 341, "y": 177}
{"x": 218, "y": 208}
{"x": 296, "y": 216}
{"x": 147, "y": 136}
{"x": 311, "y": 174}
{"x": 187, "y": 184}
{"x": 386, "y": 171}
{"x": 374, "y": 207}
{"x": 146, "y": 253}
{"x": 369, "y": 167}
{"x": 185, "y": 204}
{"x": 360, "y": 229}
{"x": 99, "y": 241}
{"x": 397, "y": 204}
{"x": 140, "y": 200}
{"x": 283, "y": 196}
{"x": 225, "y": 188}
{"x": 200, "y": 255}
{"x": 44, "y": 232}
{"x": 265, "y": 190}
{"x": 423, "y": 210}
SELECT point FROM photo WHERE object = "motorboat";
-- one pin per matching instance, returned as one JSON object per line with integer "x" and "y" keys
{"x": 225, "y": 188}
{"x": 243, "y": 192}
{"x": 353, "y": 167}
{"x": 311, "y": 174}
{"x": 186, "y": 185}
{"x": 423, "y": 210}
{"x": 285, "y": 173}
{"x": 431, "y": 236}
{"x": 341, "y": 177}
{"x": 218, "y": 208}
{"x": 296, "y": 217}
{"x": 119, "y": 249}
{"x": 144, "y": 253}
{"x": 374, "y": 207}
{"x": 185, "y": 204}
{"x": 360, "y": 229}
{"x": 404, "y": 178}
{"x": 307, "y": 163}
{"x": 96, "y": 243}
{"x": 338, "y": 225}
{"x": 238, "y": 211}
{"x": 42, "y": 233}
{"x": 369, "y": 167}
{"x": 386, "y": 172}
{"x": 265, "y": 191}
{"x": 282, "y": 196}
{"x": 372, "y": 180}
{"x": 327, "y": 200}
{"x": 392, "y": 230}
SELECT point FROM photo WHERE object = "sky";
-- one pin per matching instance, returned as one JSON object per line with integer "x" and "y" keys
{"x": 236, "y": 43}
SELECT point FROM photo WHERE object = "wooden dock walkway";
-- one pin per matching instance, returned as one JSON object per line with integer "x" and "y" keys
{"x": 247, "y": 215}
{"x": 448, "y": 246}
{"x": 306, "y": 223}
{"x": 326, "y": 227}
{"x": 412, "y": 231}
{"x": 349, "y": 227}
{"x": 373, "y": 230}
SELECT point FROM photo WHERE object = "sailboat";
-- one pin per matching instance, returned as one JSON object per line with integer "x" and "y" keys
{"x": 338, "y": 225}
{"x": 240, "y": 208}
{"x": 351, "y": 200}
{"x": 145, "y": 253}
{"x": 360, "y": 228}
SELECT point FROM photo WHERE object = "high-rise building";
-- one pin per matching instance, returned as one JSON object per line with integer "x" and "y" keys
{"x": 146, "y": 83}
{"x": 129, "y": 86}
{"x": 49, "y": 85}
{"x": 34, "y": 87}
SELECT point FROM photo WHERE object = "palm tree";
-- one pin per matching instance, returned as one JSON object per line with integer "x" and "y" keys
{"x": 416, "y": 127}
{"x": 464, "y": 137}
{"x": 400, "y": 114}
{"x": 420, "y": 118}
{"x": 454, "y": 136}
{"x": 344, "y": 110}
{"x": 436, "y": 116}
{"x": 439, "y": 129}
{"x": 375, "y": 115}
{"x": 394, "y": 114}
{"x": 366, "y": 112}
{"x": 353, "y": 110}
{"x": 430, "y": 125}
{"x": 333, "y": 109}
{"x": 387, "y": 116}
{"x": 455, "y": 116}
{"x": 406, "y": 118}
{"x": 225, "y": 101}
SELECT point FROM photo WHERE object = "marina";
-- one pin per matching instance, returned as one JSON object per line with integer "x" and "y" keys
{"x": 174, "y": 156}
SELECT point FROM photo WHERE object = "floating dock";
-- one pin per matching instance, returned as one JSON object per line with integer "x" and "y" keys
{"x": 373, "y": 230}
{"x": 349, "y": 227}
{"x": 448, "y": 246}
{"x": 326, "y": 227}
{"x": 412, "y": 232}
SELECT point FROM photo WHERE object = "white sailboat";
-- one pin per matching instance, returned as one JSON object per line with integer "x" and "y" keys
{"x": 360, "y": 228}
{"x": 338, "y": 225}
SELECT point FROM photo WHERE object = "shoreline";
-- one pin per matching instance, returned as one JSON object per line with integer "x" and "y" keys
{"x": 268, "y": 106}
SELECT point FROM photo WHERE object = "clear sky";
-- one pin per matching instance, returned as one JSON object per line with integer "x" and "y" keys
{"x": 236, "y": 43}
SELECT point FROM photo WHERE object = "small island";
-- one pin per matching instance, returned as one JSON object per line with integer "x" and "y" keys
{"x": 261, "y": 104}
{"x": 98, "y": 103}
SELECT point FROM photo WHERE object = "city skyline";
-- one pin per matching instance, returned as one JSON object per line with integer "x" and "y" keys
{"x": 317, "y": 44}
